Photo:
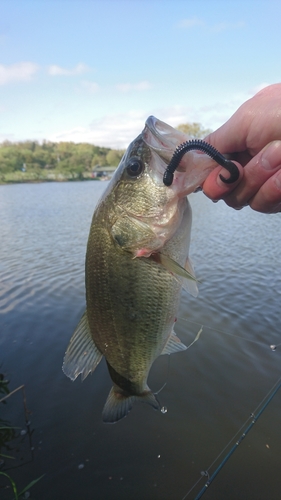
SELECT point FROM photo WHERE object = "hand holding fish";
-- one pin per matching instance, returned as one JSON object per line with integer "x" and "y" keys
{"x": 252, "y": 137}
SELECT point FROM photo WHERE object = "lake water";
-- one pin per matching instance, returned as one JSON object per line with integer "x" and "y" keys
{"x": 212, "y": 388}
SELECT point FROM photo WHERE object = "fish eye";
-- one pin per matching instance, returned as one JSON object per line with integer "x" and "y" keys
{"x": 135, "y": 167}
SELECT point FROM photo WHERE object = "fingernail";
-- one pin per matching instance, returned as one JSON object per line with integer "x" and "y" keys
{"x": 271, "y": 157}
{"x": 225, "y": 173}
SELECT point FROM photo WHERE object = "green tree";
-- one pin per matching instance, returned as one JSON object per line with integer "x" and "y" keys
{"x": 194, "y": 130}
{"x": 67, "y": 158}
{"x": 113, "y": 157}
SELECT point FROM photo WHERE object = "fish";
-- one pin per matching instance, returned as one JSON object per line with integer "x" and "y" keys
{"x": 137, "y": 263}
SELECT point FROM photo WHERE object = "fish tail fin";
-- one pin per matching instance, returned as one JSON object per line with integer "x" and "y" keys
{"x": 119, "y": 404}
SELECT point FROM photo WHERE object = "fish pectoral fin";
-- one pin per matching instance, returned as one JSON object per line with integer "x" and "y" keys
{"x": 82, "y": 355}
{"x": 173, "y": 345}
{"x": 119, "y": 404}
{"x": 186, "y": 274}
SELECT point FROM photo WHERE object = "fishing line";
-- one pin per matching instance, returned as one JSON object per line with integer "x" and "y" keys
{"x": 169, "y": 364}
{"x": 167, "y": 376}
{"x": 254, "y": 416}
{"x": 272, "y": 346}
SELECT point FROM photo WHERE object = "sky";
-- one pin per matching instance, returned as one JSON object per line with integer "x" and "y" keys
{"x": 94, "y": 70}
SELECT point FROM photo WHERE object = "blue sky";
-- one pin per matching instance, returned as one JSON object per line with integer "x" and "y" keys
{"x": 92, "y": 71}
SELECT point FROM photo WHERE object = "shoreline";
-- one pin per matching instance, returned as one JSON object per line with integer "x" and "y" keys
{"x": 40, "y": 181}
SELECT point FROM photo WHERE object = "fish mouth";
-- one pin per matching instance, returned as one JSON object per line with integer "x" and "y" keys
{"x": 194, "y": 167}
{"x": 162, "y": 138}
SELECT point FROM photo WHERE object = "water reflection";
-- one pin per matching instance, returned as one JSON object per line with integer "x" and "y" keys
{"x": 209, "y": 390}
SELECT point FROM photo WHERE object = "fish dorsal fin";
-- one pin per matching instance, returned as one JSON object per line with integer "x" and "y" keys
{"x": 82, "y": 355}
{"x": 187, "y": 277}
{"x": 173, "y": 345}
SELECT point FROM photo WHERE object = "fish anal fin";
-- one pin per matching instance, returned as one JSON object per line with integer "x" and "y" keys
{"x": 173, "y": 345}
{"x": 119, "y": 404}
{"x": 82, "y": 355}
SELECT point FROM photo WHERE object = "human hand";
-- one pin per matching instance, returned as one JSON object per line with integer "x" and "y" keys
{"x": 252, "y": 137}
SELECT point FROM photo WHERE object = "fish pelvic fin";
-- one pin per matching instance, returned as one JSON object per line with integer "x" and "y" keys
{"x": 82, "y": 355}
{"x": 173, "y": 345}
{"x": 119, "y": 404}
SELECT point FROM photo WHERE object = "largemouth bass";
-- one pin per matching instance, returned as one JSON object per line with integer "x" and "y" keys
{"x": 136, "y": 265}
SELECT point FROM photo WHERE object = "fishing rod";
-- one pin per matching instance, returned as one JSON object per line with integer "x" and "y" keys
{"x": 168, "y": 178}
{"x": 254, "y": 416}
{"x": 235, "y": 446}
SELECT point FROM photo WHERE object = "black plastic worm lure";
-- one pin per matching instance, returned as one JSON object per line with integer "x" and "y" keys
{"x": 206, "y": 148}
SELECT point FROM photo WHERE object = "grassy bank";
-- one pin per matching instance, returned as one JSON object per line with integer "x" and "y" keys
{"x": 43, "y": 176}
{"x": 30, "y": 161}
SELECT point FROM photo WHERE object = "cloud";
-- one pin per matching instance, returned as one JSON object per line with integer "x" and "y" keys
{"x": 118, "y": 130}
{"x": 91, "y": 87}
{"x": 190, "y": 23}
{"x": 217, "y": 113}
{"x": 55, "y": 70}
{"x": 213, "y": 115}
{"x": 19, "y": 72}
{"x": 127, "y": 87}
{"x": 114, "y": 131}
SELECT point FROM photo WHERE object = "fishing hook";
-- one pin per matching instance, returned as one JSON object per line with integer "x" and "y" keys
{"x": 210, "y": 151}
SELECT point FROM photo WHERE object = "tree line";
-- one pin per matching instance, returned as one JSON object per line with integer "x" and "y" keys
{"x": 61, "y": 156}
{"x": 31, "y": 160}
